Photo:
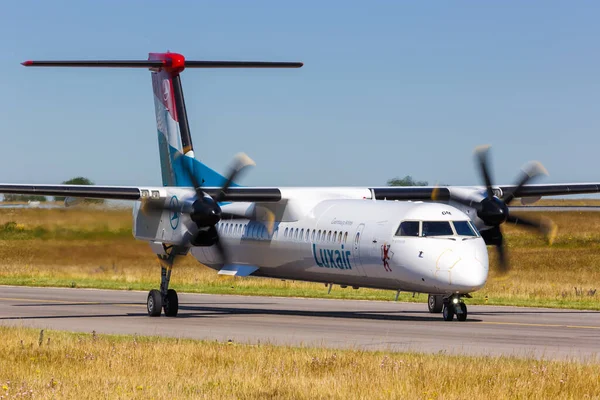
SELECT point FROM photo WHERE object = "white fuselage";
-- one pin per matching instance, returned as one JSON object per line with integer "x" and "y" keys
{"x": 355, "y": 243}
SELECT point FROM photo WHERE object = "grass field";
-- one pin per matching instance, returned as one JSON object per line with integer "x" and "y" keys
{"x": 54, "y": 365}
{"x": 564, "y": 202}
{"x": 83, "y": 247}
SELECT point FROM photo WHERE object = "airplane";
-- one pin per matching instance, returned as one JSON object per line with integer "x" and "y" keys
{"x": 415, "y": 239}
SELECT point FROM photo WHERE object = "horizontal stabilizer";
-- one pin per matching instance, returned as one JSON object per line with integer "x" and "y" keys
{"x": 238, "y": 270}
{"x": 161, "y": 64}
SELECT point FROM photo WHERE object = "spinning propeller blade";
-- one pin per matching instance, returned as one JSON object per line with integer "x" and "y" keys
{"x": 493, "y": 211}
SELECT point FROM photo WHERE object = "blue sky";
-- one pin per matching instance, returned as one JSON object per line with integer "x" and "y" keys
{"x": 388, "y": 89}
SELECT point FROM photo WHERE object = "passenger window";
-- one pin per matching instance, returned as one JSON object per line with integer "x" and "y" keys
{"x": 340, "y": 237}
{"x": 285, "y": 233}
{"x": 301, "y": 235}
{"x": 345, "y": 237}
{"x": 307, "y": 235}
{"x": 329, "y": 236}
{"x": 463, "y": 228}
{"x": 437, "y": 228}
{"x": 312, "y": 237}
{"x": 408, "y": 228}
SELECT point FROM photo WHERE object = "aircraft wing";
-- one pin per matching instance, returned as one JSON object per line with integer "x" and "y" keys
{"x": 411, "y": 193}
{"x": 234, "y": 194}
{"x": 553, "y": 190}
{"x": 444, "y": 193}
{"x": 89, "y": 191}
{"x": 273, "y": 194}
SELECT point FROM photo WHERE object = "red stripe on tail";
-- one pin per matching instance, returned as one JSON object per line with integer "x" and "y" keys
{"x": 162, "y": 81}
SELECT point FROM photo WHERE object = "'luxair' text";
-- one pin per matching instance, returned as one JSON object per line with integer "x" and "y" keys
{"x": 329, "y": 258}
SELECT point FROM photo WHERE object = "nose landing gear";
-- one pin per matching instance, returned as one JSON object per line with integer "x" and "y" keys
{"x": 454, "y": 305}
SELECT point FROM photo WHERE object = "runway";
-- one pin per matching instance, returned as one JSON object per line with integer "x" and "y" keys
{"x": 369, "y": 325}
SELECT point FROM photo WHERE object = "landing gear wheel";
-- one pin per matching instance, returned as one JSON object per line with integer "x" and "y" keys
{"x": 462, "y": 316}
{"x": 448, "y": 312}
{"x": 435, "y": 304}
{"x": 154, "y": 303}
{"x": 171, "y": 305}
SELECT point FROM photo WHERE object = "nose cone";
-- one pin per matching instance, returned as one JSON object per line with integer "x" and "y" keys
{"x": 469, "y": 275}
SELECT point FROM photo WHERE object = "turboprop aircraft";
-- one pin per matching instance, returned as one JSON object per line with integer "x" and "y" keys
{"x": 416, "y": 239}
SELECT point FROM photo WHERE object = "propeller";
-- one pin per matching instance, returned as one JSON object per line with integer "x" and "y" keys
{"x": 493, "y": 210}
{"x": 206, "y": 212}
{"x": 203, "y": 209}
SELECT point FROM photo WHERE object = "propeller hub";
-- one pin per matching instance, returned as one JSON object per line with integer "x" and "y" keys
{"x": 493, "y": 211}
{"x": 206, "y": 212}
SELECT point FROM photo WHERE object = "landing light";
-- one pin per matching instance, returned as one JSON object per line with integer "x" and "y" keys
{"x": 455, "y": 301}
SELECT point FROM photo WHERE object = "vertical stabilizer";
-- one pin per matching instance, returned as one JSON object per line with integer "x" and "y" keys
{"x": 174, "y": 140}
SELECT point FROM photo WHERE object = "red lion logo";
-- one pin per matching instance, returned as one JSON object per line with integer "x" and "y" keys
{"x": 385, "y": 249}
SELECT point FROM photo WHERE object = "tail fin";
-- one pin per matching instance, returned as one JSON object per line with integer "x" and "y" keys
{"x": 174, "y": 140}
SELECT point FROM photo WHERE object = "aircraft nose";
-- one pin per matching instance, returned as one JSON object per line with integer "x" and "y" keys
{"x": 469, "y": 275}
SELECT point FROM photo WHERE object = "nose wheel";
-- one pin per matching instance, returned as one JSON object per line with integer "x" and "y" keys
{"x": 452, "y": 306}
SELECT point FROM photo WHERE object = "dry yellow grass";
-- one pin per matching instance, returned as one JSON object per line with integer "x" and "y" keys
{"x": 83, "y": 217}
{"x": 82, "y": 366}
{"x": 563, "y": 275}
{"x": 565, "y": 202}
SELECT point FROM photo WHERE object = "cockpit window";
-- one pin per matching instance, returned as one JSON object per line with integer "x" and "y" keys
{"x": 437, "y": 228}
{"x": 408, "y": 228}
{"x": 464, "y": 228}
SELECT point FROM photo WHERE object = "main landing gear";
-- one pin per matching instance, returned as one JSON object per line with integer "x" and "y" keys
{"x": 164, "y": 298}
{"x": 448, "y": 306}
{"x": 435, "y": 303}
